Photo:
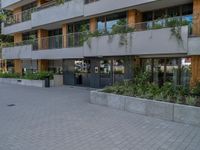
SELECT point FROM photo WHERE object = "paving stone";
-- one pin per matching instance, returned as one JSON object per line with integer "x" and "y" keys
{"x": 63, "y": 119}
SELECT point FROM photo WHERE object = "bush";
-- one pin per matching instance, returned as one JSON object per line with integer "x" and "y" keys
{"x": 38, "y": 75}
{"x": 9, "y": 75}
{"x": 141, "y": 87}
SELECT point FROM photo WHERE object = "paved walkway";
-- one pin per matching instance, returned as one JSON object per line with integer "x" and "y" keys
{"x": 62, "y": 119}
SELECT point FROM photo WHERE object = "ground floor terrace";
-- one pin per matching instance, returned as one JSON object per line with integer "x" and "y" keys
{"x": 104, "y": 71}
{"x": 62, "y": 118}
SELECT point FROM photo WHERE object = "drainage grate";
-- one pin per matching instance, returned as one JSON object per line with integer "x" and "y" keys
{"x": 11, "y": 105}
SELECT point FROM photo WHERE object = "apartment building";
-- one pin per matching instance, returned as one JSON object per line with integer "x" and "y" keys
{"x": 96, "y": 43}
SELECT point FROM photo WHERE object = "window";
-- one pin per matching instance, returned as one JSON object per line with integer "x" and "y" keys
{"x": 27, "y": 10}
{"x": 174, "y": 70}
{"x": 106, "y": 23}
{"x": 181, "y": 10}
{"x": 90, "y": 1}
{"x": 55, "y": 38}
{"x": 76, "y": 33}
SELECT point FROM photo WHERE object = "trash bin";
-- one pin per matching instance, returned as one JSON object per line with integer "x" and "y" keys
{"x": 47, "y": 82}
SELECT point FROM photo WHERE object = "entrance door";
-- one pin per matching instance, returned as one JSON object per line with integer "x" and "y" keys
{"x": 106, "y": 75}
{"x": 82, "y": 72}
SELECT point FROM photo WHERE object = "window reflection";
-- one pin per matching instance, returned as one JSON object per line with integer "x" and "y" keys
{"x": 106, "y": 23}
{"x": 174, "y": 70}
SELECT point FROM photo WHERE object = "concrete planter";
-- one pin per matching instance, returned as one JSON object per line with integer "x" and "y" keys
{"x": 163, "y": 110}
{"x": 58, "y": 80}
{"x": 34, "y": 83}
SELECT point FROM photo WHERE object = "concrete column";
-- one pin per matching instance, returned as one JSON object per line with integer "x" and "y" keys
{"x": 93, "y": 24}
{"x": 65, "y": 36}
{"x": 18, "y": 66}
{"x": 196, "y": 18}
{"x": 42, "y": 39}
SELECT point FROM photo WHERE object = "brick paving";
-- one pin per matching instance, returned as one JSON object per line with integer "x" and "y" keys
{"x": 63, "y": 119}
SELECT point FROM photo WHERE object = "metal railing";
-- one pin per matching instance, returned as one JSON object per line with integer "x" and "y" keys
{"x": 77, "y": 39}
{"x": 20, "y": 17}
{"x": 26, "y": 15}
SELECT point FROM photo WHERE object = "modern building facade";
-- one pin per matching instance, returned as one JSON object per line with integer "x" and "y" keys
{"x": 99, "y": 42}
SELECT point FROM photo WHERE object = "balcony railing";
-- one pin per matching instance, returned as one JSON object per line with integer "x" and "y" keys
{"x": 77, "y": 39}
{"x": 26, "y": 15}
{"x": 50, "y": 4}
{"x": 20, "y": 17}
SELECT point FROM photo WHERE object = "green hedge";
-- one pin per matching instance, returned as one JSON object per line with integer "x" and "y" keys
{"x": 38, "y": 75}
{"x": 28, "y": 76}
{"x": 141, "y": 87}
{"x": 9, "y": 75}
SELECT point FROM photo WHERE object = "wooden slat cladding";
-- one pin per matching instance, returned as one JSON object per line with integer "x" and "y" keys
{"x": 196, "y": 20}
{"x": 195, "y": 70}
{"x": 42, "y": 65}
{"x": 18, "y": 66}
{"x": 134, "y": 17}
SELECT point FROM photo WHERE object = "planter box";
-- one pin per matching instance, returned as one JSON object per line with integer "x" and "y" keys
{"x": 34, "y": 83}
{"x": 58, "y": 80}
{"x": 163, "y": 110}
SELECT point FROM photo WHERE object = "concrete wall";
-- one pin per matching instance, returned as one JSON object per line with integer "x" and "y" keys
{"x": 58, "y": 53}
{"x": 69, "y": 10}
{"x": 163, "y": 110}
{"x": 17, "y": 52}
{"x": 158, "y": 41}
{"x": 194, "y": 46}
{"x": 18, "y": 27}
{"x": 34, "y": 83}
{"x": 103, "y": 6}
{"x": 6, "y": 3}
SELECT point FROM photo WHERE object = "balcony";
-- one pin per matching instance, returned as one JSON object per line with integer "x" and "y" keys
{"x": 194, "y": 46}
{"x": 58, "y": 13}
{"x": 22, "y": 51}
{"x": 12, "y": 4}
{"x": 103, "y": 6}
{"x": 18, "y": 22}
{"x": 7, "y": 3}
{"x": 160, "y": 37}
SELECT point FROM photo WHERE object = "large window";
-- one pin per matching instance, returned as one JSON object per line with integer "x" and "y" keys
{"x": 174, "y": 70}
{"x": 27, "y": 10}
{"x": 55, "y": 38}
{"x": 76, "y": 33}
{"x": 106, "y": 23}
{"x": 182, "y": 10}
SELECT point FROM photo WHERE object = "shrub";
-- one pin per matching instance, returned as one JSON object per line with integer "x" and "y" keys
{"x": 38, "y": 75}
{"x": 141, "y": 87}
{"x": 9, "y": 75}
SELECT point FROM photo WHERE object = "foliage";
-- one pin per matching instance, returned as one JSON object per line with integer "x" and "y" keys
{"x": 9, "y": 75}
{"x": 28, "y": 75}
{"x": 141, "y": 87}
{"x": 196, "y": 89}
{"x": 38, "y": 75}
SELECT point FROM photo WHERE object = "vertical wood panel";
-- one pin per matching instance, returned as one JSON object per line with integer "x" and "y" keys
{"x": 18, "y": 66}
{"x": 64, "y": 33}
{"x": 134, "y": 17}
{"x": 195, "y": 70}
{"x": 42, "y": 39}
{"x": 42, "y": 65}
{"x": 93, "y": 24}
{"x": 17, "y": 37}
{"x": 196, "y": 18}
